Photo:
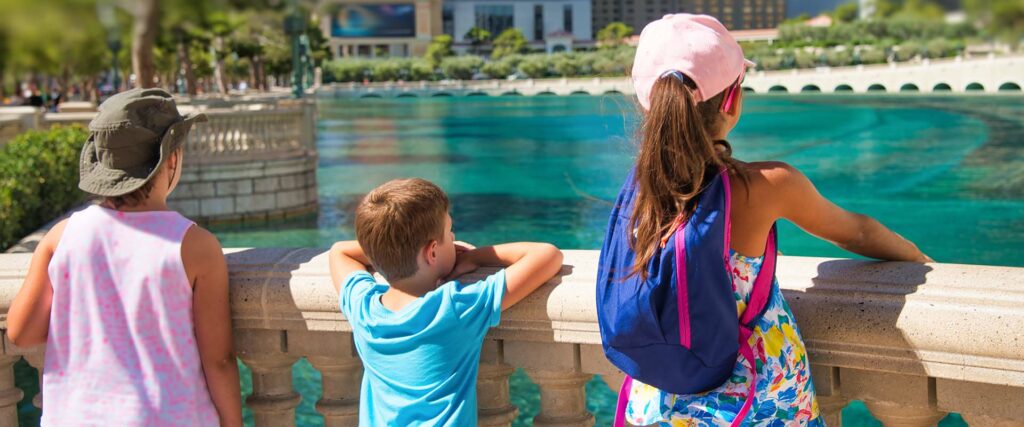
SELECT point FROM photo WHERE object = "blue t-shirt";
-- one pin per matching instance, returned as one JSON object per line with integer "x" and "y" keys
{"x": 421, "y": 362}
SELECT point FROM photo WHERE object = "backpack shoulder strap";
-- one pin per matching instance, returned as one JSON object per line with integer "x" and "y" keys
{"x": 761, "y": 292}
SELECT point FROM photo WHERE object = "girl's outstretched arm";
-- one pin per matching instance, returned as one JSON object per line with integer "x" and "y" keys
{"x": 797, "y": 200}
{"x": 211, "y": 309}
{"x": 28, "y": 319}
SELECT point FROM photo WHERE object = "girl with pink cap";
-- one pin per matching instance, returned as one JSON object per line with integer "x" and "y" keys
{"x": 687, "y": 73}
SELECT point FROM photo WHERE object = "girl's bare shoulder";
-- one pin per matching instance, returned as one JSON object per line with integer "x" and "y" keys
{"x": 200, "y": 252}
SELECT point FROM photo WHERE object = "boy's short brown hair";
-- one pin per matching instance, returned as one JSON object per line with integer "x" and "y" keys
{"x": 397, "y": 219}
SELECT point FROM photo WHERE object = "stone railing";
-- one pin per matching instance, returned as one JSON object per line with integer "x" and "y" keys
{"x": 248, "y": 162}
{"x": 913, "y": 341}
{"x": 256, "y": 133}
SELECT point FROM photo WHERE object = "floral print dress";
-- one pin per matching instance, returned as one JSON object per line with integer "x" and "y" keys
{"x": 784, "y": 393}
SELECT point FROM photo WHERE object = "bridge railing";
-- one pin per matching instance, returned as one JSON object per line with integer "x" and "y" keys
{"x": 914, "y": 342}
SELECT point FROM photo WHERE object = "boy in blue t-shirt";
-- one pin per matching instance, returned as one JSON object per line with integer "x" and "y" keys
{"x": 420, "y": 337}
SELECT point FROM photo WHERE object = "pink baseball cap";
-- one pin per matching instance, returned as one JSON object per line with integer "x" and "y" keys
{"x": 698, "y": 46}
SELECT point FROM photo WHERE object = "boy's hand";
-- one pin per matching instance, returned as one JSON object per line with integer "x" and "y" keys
{"x": 462, "y": 247}
{"x": 465, "y": 262}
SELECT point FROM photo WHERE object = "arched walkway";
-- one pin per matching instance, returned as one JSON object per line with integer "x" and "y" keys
{"x": 612, "y": 92}
{"x": 876, "y": 88}
{"x": 975, "y": 87}
{"x": 810, "y": 88}
{"x": 512, "y": 93}
{"x": 1009, "y": 87}
{"x": 408, "y": 95}
{"x": 748, "y": 89}
{"x": 778, "y": 89}
{"x": 844, "y": 88}
{"x": 370, "y": 95}
{"x": 546, "y": 93}
{"x": 580, "y": 92}
{"x": 909, "y": 87}
{"x": 477, "y": 94}
{"x": 942, "y": 87}
{"x": 441, "y": 95}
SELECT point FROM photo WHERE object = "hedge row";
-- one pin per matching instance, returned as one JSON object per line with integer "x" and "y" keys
{"x": 38, "y": 179}
{"x": 606, "y": 62}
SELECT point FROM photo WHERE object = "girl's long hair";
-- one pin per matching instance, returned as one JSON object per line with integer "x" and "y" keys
{"x": 677, "y": 156}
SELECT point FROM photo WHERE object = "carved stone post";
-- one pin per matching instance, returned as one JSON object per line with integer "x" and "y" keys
{"x": 273, "y": 398}
{"x": 9, "y": 394}
{"x": 341, "y": 373}
{"x": 898, "y": 415}
{"x": 563, "y": 400}
{"x": 830, "y": 399}
{"x": 494, "y": 403}
{"x": 36, "y": 359}
{"x": 341, "y": 379}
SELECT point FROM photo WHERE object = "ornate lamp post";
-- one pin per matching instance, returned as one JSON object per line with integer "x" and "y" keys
{"x": 295, "y": 28}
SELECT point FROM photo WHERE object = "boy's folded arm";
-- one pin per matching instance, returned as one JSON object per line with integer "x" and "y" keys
{"x": 345, "y": 258}
{"x": 528, "y": 266}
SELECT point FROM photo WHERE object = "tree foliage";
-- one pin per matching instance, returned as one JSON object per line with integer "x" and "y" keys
{"x": 613, "y": 34}
{"x": 509, "y": 42}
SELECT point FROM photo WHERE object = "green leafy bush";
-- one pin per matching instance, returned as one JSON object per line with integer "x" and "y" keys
{"x": 535, "y": 66}
{"x": 502, "y": 68}
{"x": 565, "y": 65}
{"x": 461, "y": 67}
{"x": 38, "y": 179}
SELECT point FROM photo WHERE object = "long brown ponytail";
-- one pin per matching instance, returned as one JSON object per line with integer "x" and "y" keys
{"x": 677, "y": 156}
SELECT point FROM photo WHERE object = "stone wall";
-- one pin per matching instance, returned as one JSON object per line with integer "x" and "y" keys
{"x": 247, "y": 191}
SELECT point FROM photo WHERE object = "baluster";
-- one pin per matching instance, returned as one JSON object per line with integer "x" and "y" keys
{"x": 341, "y": 372}
{"x": 494, "y": 403}
{"x": 36, "y": 358}
{"x": 562, "y": 398}
{"x": 273, "y": 398}
{"x": 899, "y": 415}
{"x": 830, "y": 399}
{"x": 9, "y": 394}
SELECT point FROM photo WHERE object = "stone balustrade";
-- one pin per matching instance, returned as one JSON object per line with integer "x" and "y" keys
{"x": 249, "y": 162}
{"x": 914, "y": 342}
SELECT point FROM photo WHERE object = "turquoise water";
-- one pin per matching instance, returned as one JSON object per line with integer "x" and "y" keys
{"x": 946, "y": 172}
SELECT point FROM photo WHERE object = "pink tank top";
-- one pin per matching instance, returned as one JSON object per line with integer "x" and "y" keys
{"x": 121, "y": 348}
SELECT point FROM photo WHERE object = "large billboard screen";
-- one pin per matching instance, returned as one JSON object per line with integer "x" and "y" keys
{"x": 374, "y": 20}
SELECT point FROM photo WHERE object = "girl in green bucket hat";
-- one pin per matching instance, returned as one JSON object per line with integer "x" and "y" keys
{"x": 131, "y": 297}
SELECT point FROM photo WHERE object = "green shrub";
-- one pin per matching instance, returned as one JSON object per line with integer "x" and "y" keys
{"x": 38, "y": 179}
{"x": 347, "y": 70}
{"x": 565, "y": 65}
{"x": 461, "y": 67}
{"x": 502, "y": 68}
{"x": 535, "y": 66}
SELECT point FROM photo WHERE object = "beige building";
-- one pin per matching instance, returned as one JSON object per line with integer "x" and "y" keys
{"x": 375, "y": 28}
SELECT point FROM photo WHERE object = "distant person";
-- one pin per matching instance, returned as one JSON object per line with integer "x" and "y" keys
{"x": 130, "y": 297}
{"x": 419, "y": 335}
{"x": 688, "y": 303}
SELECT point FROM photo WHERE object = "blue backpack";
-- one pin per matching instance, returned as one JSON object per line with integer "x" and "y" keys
{"x": 678, "y": 330}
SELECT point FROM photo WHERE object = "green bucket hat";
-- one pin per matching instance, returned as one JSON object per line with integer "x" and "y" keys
{"x": 131, "y": 136}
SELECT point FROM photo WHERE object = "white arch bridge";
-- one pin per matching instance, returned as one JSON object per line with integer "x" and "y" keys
{"x": 991, "y": 74}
